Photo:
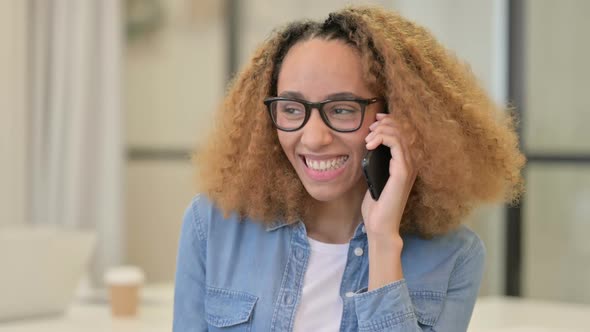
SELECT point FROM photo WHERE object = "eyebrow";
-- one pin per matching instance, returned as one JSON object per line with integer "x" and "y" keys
{"x": 338, "y": 95}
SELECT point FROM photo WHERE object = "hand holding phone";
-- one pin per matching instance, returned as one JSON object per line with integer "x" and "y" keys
{"x": 376, "y": 169}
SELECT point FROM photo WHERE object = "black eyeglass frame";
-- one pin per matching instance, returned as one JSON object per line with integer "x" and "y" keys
{"x": 309, "y": 106}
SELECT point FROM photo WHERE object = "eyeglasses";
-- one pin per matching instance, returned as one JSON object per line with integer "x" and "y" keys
{"x": 344, "y": 115}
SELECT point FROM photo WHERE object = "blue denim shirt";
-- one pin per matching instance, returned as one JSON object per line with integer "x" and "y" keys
{"x": 246, "y": 276}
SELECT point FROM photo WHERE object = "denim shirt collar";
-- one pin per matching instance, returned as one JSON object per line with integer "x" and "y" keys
{"x": 276, "y": 225}
{"x": 359, "y": 231}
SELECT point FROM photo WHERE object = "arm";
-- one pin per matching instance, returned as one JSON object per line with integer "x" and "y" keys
{"x": 189, "y": 293}
{"x": 390, "y": 308}
{"x": 387, "y": 306}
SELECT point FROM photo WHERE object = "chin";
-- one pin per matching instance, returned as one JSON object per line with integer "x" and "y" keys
{"x": 324, "y": 194}
{"x": 333, "y": 191}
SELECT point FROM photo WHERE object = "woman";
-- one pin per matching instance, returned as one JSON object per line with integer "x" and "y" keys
{"x": 286, "y": 237}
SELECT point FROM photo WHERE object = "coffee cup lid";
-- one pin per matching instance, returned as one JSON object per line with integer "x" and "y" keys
{"x": 124, "y": 275}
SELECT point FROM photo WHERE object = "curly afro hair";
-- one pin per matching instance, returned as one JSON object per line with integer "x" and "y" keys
{"x": 464, "y": 145}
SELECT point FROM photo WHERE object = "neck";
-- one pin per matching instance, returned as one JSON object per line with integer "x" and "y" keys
{"x": 335, "y": 221}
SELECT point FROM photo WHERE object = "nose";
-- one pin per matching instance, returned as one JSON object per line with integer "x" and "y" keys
{"x": 316, "y": 134}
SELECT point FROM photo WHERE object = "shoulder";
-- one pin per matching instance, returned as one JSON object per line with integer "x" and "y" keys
{"x": 466, "y": 243}
{"x": 194, "y": 213}
{"x": 459, "y": 243}
{"x": 200, "y": 214}
{"x": 207, "y": 219}
{"x": 443, "y": 256}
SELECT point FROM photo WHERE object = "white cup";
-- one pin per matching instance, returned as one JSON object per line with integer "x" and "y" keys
{"x": 124, "y": 283}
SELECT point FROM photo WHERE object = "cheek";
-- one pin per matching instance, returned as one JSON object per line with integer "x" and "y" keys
{"x": 287, "y": 141}
{"x": 358, "y": 141}
{"x": 281, "y": 139}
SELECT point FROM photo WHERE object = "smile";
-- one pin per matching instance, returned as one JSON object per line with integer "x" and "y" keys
{"x": 324, "y": 165}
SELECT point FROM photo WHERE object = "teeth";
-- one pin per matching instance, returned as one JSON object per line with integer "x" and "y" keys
{"x": 326, "y": 165}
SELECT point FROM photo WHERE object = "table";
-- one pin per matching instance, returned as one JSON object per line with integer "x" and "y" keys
{"x": 90, "y": 313}
{"x": 506, "y": 314}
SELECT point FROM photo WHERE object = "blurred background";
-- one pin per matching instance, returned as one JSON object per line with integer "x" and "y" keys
{"x": 103, "y": 101}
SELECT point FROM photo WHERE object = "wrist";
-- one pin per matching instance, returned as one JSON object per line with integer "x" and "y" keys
{"x": 385, "y": 264}
{"x": 385, "y": 243}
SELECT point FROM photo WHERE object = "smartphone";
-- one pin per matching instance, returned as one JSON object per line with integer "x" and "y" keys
{"x": 376, "y": 169}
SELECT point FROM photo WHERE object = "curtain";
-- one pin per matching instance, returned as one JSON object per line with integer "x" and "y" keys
{"x": 76, "y": 144}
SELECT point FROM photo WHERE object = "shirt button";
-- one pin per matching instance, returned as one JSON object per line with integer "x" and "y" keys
{"x": 358, "y": 251}
{"x": 349, "y": 294}
{"x": 363, "y": 229}
{"x": 299, "y": 254}
{"x": 288, "y": 299}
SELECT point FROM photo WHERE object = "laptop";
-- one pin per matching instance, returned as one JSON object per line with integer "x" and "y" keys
{"x": 41, "y": 268}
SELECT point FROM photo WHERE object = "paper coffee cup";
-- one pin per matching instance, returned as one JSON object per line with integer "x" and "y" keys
{"x": 124, "y": 283}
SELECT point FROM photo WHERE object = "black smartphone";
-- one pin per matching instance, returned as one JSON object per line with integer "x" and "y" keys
{"x": 376, "y": 169}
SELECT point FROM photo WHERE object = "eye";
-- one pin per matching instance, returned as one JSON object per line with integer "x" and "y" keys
{"x": 291, "y": 110}
{"x": 342, "y": 111}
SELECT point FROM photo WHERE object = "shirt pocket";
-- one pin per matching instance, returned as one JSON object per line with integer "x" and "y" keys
{"x": 427, "y": 306}
{"x": 229, "y": 310}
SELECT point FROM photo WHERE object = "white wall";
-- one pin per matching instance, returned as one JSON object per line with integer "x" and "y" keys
{"x": 556, "y": 216}
{"x": 12, "y": 111}
{"x": 557, "y": 76}
{"x": 174, "y": 79}
{"x": 260, "y": 17}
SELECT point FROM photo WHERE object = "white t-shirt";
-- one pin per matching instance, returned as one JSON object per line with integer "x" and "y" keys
{"x": 320, "y": 307}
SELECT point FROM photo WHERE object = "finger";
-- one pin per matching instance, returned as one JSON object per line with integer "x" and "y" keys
{"x": 380, "y": 116}
{"x": 387, "y": 130}
{"x": 374, "y": 125}
{"x": 401, "y": 175}
{"x": 390, "y": 141}
{"x": 387, "y": 122}
{"x": 388, "y": 126}
{"x": 393, "y": 142}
